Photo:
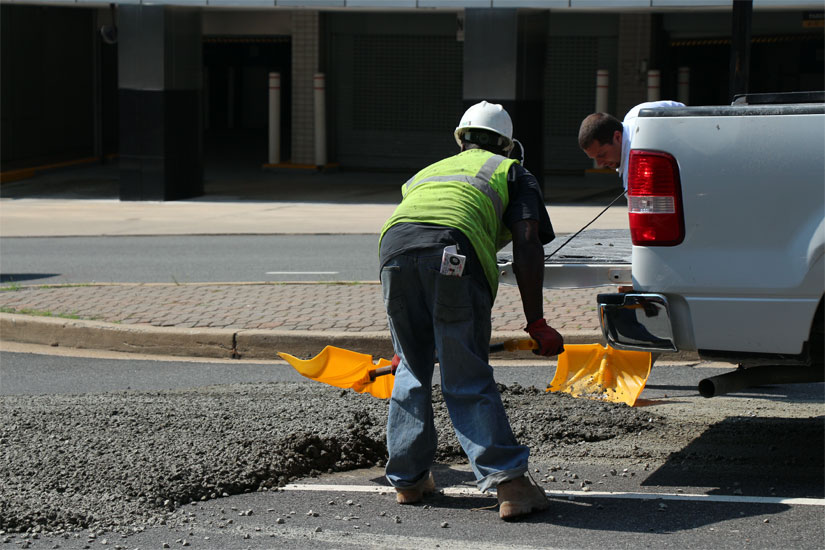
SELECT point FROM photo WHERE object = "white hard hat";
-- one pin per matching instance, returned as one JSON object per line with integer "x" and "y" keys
{"x": 487, "y": 116}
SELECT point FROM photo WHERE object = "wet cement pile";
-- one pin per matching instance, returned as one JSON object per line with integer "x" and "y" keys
{"x": 120, "y": 460}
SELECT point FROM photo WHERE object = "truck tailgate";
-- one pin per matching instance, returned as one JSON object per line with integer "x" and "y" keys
{"x": 597, "y": 257}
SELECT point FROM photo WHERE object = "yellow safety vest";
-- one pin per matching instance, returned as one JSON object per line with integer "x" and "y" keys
{"x": 467, "y": 192}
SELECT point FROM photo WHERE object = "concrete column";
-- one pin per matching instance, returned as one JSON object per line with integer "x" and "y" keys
{"x": 160, "y": 81}
{"x": 504, "y": 54}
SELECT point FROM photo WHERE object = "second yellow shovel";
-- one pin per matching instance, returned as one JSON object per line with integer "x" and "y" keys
{"x": 598, "y": 372}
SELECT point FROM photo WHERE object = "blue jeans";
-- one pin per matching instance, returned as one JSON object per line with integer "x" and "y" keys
{"x": 432, "y": 313}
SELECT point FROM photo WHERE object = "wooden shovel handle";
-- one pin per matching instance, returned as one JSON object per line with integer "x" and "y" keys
{"x": 381, "y": 371}
{"x": 515, "y": 345}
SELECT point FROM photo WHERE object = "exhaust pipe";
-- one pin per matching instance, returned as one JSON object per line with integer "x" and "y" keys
{"x": 743, "y": 378}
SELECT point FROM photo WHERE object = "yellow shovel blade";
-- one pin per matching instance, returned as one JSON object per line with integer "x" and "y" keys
{"x": 344, "y": 369}
{"x": 598, "y": 372}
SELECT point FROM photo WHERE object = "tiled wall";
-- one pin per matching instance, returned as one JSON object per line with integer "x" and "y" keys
{"x": 305, "y": 38}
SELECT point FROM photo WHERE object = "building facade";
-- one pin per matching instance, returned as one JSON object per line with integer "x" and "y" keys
{"x": 161, "y": 87}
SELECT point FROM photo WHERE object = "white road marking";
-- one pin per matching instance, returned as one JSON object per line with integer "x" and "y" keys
{"x": 464, "y": 491}
{"x": 302, "y": 272}
{"x": 348, "y": 537}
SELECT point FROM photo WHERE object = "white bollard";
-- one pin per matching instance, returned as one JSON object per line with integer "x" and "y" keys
{"x": 683, "y": 85}
{"x": 230, "y": 98}
{"x": 205, "y": 95}
{"x": 274, "y": 118}
{"x": 319, "y": 87}
{"x": 654, "y": 85}
{"x": 602, "y": 88}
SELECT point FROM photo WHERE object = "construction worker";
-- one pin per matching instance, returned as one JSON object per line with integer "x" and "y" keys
{"x": 476, "y": 202}
{"x": 607, "y": 141}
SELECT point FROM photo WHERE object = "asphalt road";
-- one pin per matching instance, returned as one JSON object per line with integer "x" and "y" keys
{"x": 236, "y": 258}
{"x": 723, "y": 502}
{"x": 188, "y": 259}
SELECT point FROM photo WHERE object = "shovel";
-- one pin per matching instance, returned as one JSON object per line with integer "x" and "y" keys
{"x": 598, "y": 372}
{"x": 352, "y": 370}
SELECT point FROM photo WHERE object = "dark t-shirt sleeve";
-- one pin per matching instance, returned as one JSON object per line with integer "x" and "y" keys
{"x": 527, "y": 202}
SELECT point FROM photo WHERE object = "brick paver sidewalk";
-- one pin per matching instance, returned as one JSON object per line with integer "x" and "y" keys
{"x": 347, "y": 307}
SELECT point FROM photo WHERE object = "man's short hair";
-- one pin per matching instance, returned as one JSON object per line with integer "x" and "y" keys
{"x": 598, "y": 127}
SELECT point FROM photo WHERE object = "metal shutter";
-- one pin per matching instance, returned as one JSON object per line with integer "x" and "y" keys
{"x": 398, "y": 105}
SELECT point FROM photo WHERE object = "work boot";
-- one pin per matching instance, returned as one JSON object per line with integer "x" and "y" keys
{"x": 520, "y": 496}
{"x": 411, "y": 495}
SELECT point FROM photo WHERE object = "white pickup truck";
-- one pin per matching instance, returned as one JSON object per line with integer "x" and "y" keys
{"x": 726, "y": 209}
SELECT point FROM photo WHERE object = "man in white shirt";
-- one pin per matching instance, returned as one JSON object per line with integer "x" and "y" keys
{"x": 607, "y": 141}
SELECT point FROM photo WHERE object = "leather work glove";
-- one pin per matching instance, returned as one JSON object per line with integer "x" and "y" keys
{"x": 550, "y": 341}
{"x": 395, "y": 361}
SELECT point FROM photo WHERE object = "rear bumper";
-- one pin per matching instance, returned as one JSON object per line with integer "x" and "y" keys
{"x": 636, "y": 321}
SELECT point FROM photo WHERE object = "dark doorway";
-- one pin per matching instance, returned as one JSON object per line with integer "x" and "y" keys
{"x": 787, "y": 63}
{"x": 709, "y": 64}
{"x": 236, "y": 97}
{"x": 782, "y": 63}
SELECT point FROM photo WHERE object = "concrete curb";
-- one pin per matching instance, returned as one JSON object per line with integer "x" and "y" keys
{"x": 265, "y": 344}
{"x": 225, "y": 343}
{"x": 73, "y": 333}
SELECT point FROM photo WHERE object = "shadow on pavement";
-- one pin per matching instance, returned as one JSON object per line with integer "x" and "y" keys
{"x": 226, "y": 181}
{"x": 19, "y": 277}
{"x": 751, "y": 456}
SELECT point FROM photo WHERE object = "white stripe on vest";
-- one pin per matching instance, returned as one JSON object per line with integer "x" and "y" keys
{"x": 480, "y": 181}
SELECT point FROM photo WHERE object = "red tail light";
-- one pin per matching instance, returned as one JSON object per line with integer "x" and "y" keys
{"x": 654, "y": 199}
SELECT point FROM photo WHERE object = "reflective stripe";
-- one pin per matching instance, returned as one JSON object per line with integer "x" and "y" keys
{"x": 480, "y": 181}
